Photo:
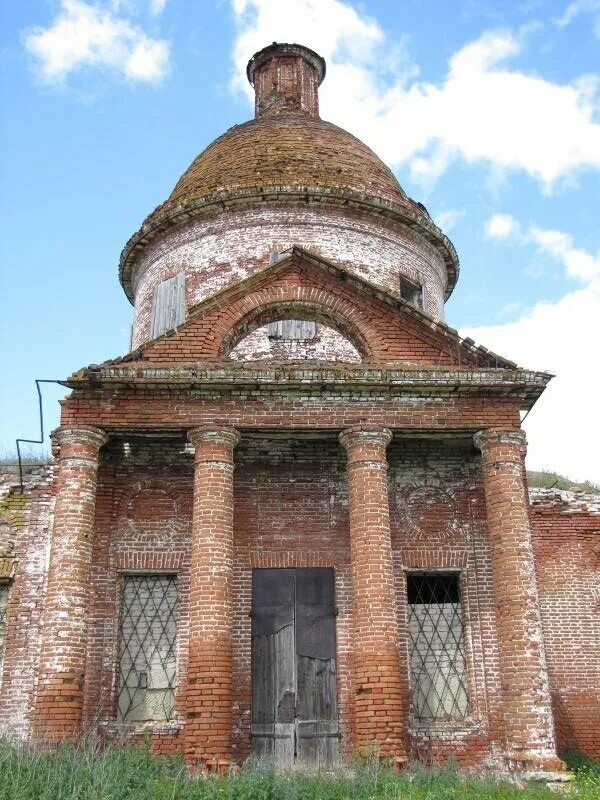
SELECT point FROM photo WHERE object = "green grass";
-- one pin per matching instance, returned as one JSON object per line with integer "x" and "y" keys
{"x": 553, "y": 480}
{"x": 128, "y": 773}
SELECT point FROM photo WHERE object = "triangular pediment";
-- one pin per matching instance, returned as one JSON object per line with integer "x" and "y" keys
{"x": 384, "y": 328}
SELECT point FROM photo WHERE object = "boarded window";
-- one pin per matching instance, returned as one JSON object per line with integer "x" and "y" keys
{"x": 3, "y": 608}
{"x": 297, "y": 329}
{"x": 437, "y": 659}
{"x": 168, "y": 310}
{"x": 411, "y": 292}
{"x": 147, "y": 655}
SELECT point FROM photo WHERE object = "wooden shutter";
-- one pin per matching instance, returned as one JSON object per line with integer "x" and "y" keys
{"x": 169, "y": 305}
{"x": 292, "y": 329}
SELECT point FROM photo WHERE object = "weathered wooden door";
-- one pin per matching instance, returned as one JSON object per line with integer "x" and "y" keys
{"x": 294, "y": 708}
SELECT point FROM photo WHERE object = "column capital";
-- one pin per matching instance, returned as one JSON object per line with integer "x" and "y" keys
{"x": 79, "y": 434}
{"x": 78, "y": 441}
{"x": 507, "y": 439}
{"x": 218, "y": 434}
{"x": 358, "y": 435}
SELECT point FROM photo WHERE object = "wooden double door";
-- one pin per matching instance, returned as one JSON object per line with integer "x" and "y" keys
{"x": 294, "y": 704}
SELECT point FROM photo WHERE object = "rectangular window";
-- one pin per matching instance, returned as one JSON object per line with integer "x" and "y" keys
{"x": 296, "y": 329}
{"x": 3, "y": 608}
{"x": 168, "y": 310}
{"x": 411, "y": 292}
{"x": 437, "y": 654}
{"x": 147, "y": 652}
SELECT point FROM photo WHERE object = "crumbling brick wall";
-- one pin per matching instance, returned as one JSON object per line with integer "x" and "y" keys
{"x": 25, "y": 527}
{"x": 566, "y": 535}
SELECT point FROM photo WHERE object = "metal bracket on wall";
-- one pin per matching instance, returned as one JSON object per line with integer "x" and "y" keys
{"x": 18, "y": 442}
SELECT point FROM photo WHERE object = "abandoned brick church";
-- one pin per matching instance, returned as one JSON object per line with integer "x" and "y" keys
{"x": 294, "y": 521}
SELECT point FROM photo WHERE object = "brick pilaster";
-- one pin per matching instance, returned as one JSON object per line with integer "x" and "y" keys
{"x": 377, "y": 701}
{"x": 59, "y": 698}
{"x": 528, "y": 721}
{"x": 208, "y": 694}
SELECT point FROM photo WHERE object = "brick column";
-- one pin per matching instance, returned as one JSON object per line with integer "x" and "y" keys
{"x": 528, "y": 718}
{"x": 377, "y": 701}
{"x": 208, "y": 695}
{"x": 59, "y": 699}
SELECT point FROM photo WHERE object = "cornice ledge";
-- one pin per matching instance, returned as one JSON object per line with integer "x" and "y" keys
{"x": 442, "y": 379}
{"x": 160, "y": 220}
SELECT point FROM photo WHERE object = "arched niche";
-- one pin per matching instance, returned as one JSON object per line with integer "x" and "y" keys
{"x": 335, "y": 338}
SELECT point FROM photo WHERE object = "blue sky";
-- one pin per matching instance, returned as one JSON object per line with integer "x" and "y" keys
{"x": 488, "y": 112}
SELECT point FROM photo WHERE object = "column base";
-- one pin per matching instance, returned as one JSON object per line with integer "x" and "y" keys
{"x": 532, "y": 763}
{"x": 58, "y": 706}
{"x": 212, "y": 765}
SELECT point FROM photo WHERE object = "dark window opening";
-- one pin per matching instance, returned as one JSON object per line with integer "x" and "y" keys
{"x": 411, "y": 292}
{"x": 147, "y": 654}
{"x": 437, "y": 652}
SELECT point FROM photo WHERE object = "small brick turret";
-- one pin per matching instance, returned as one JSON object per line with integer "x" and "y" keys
{"x": 286, "y": 78}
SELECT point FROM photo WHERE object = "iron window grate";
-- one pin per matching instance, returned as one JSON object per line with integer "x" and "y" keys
{"x": 437, "y": 658}
{"x": 147, "y": 655}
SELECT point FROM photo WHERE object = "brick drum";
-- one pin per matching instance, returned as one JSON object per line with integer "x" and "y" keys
{"x": 384, "y": 447}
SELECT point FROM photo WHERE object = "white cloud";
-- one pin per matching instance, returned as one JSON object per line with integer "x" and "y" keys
{"x": 482, "y": 111}
{"x": 500, "y": 226}
{"x": 446, "y": 220}
{"x": 157, "y": 6}
{"x": 560, "y": 337}
{"x": 89, "y": 35}
{"x": 578, "y": 8}
{"x": 558, "y": 245}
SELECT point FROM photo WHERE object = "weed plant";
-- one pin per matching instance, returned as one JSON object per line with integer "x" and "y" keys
{"x": 133, "y": 773}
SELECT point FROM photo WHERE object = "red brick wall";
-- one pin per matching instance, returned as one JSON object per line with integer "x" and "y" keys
{"x": 28, "y": 518}
{"x": 566, "y": 537}
{"x": 223, "y": 250}
{"x": 378, "y": 331}
{"x": 437, "y": 519}
{"x": 181, "y": 410}
{"x": 291, "y": 509}
{"x": 143, "y": 524}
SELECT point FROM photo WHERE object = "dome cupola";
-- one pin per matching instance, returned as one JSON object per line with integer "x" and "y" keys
{"x": 285, "y": 178}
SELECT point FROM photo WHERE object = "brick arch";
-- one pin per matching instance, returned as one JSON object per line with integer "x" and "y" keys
{"x": 267, "y": 306}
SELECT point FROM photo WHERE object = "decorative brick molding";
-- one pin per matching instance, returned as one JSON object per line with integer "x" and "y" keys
{"x": 59, "y": 700}
{"x": 528, "y": 720}
{"x": 378, "y": 707}
{"x": 209, "y": 690}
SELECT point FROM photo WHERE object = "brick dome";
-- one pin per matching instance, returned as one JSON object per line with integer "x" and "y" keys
{"x": 286, "y": 150}
{"x": 287, "y": 155}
